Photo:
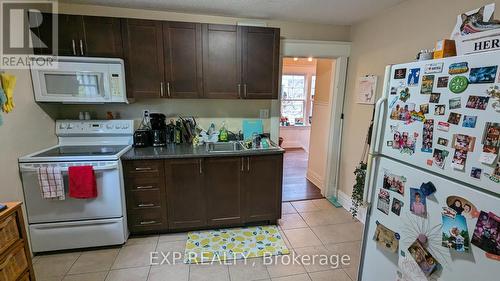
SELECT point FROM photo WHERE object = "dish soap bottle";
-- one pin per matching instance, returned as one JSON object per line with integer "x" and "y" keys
{"x": 223, "y": 132}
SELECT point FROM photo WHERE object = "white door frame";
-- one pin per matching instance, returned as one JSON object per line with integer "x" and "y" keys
{"x": 340, "y": 52}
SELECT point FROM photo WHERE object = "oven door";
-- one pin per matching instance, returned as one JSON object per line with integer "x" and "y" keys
{"x": 107, "y": 204}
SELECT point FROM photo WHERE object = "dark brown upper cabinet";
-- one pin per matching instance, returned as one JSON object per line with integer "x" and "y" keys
{"x": 102, "y": 37}
{"x": 224, "y": 201}
{"x": 222, "y": 61}
{"x": 81, "y": 36}
{"x": 260, "y": 62}
{"x": 144, "y": 65}
{"x": 183, "y": 60}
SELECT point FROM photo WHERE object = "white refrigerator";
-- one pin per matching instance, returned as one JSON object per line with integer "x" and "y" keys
{"x": 432, "y": 184}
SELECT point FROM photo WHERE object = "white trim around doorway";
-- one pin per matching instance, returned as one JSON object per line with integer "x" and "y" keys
{"x": 340, "y": 52}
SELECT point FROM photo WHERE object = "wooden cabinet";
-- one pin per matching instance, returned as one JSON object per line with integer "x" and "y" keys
{"x": 143, "y": 49}
{"x": 224, "y": 201}
{"x": 102, "y": 37}
{"x": 260, "y": 62}
{"x": 262, "y": 183}
{"x": 81, "y": 35}
{"x": 185, "y": 193}
{"x": 183, "y": 59}
{"x": 222, "y": 61}
{"x": 15, "y": 256}
{"x": 146, "y": 196}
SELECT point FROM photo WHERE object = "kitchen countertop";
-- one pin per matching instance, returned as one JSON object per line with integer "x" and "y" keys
{"x": 189, "y": 151}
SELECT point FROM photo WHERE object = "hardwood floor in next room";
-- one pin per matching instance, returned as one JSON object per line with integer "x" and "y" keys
{"x": 295, "y": 185}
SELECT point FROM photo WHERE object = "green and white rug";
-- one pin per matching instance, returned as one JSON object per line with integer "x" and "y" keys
{"x": 234, "y": 243}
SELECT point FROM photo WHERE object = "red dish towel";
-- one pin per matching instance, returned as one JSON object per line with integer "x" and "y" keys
{"x": 82, "y": 183}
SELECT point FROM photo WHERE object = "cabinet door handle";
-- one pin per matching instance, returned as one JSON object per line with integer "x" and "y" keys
{"x": 239, "y": 91}
{"x": 143, "y": 169}
{"x": 168, "y": 89}
{"x": 242, "y": 164}
{"x": 161, "y": 89}
{"x": 201, "y": 169}
{"x": 145, "y": 187}
{"x": 147, "y": 222}
{"x": 74, "y": 46}
{"x": 248, "y": 163}
{"x": 245, "y": 90}
{"x": 81, "y": 47}
{"x": 145, "y": 205}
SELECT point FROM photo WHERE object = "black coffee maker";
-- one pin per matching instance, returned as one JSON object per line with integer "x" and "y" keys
{"x": 158, "y": 129}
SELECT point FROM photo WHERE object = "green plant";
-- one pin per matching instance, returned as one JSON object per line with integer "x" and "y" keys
{"x": 358, "y": 188}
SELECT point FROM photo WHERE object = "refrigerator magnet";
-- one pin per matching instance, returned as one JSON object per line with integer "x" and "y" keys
{"x": 477, "y": 102}
{"x": 413, "y": 77}
{"x": 443, "y": 126}
{"x": 402, "y": 111}
{"x": 404, "y": 94}
{"x": 463, "y": 142}
{"x": 396, "y": 207}
{"x": 483, "y": 75}
{"x": 434, "y": 68}
{"x": 454, "y": 118}
{"x": 459, "y": 159}
{"x": 442, "y": 141}
{"x": 383, "y": 202}
{"x": 427, "y": 263}
{"x": 427, "y": 136}
{"x": 418, "y": 205}
{"x": 455, "y": 234}
{"x": 427, "y": 188}
{"x": 494, "y": 93}
{"x": 393, "y": 182}
{"x": 434, "y": 97}
{"x": 386, "y": 238}
{"x": 455, "y": 103}
{"x": 485, "y": 233}
{"x": 476, "y": 172}
{"x": 443, "y": 82}
{"x": 390, "y": 143}
{"x": 400, "y": 73}
{"x": 427, "y": 84}
{"x": 458, "y": 68}
{"x": 424, "y": 108}
{"x": 439, "y": 109}
{"x": 439, "y": 157}
{"x": 458, "y": 84}
{"x": 469, "y": 121}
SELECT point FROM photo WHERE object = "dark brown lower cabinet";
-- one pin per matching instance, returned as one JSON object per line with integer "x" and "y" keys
{"x": 262, "y": 183}
{"x": 223, "y": 193}
{"x": 185, "y": 193}
{"x": 197, "y": 193}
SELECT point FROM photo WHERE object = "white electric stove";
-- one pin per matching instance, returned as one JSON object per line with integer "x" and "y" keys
{"x": 79, "y": 223}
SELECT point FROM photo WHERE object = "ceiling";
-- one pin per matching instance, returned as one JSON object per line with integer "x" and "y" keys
{"x": 343, "y": 12}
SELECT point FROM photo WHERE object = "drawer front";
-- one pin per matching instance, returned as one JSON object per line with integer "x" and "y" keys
{"x": 9, "y": 232}
{"x": 13, "y": 264}
{"x": 147, "y": 220}
{"x": 146, "y": 168}
{"x": 143, "y": 183}
{"x": 143, "y": 199}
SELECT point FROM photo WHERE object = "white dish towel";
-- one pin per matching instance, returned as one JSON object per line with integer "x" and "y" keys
{"x": 51, "y": 183}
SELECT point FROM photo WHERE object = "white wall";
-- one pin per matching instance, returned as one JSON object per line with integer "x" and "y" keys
{"x": 393, "y": 36}
{"x": 322, "y": 107}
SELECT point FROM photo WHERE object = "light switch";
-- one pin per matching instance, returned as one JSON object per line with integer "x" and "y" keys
{"x": 264, "y": 113}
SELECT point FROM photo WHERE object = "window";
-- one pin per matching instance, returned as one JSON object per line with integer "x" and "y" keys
{"x": 293, "y": 97}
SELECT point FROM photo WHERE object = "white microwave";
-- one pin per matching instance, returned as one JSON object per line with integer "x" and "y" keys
{"x": 81, "y": 80}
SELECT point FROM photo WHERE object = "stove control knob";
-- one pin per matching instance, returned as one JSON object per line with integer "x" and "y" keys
{"x": 125, "y": 126}
{"x": 109, "y": 126}
{"x": 62, "y": 126}
{"x": 70, "y": 126}
{"x": 117, "y": 126}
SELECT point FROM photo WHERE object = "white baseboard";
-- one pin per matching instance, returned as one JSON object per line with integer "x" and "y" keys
{"x": 346, "y": 202}
{"x": 315, "y": 179}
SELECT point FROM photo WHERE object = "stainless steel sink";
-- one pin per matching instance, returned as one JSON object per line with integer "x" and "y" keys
{"x": 224, "y": 147}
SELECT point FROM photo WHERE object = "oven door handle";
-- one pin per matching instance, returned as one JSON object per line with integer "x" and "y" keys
{"x": 31, "y": 168}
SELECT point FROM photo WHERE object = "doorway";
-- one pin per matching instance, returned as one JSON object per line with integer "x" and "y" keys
{"x": 306, "y": 94}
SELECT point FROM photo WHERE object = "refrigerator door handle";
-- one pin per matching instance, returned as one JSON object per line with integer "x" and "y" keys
{"x": 371, "y": 170}
{"x": 380, "y": 107}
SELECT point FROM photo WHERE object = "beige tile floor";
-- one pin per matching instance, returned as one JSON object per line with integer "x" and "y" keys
{"x": 308, "y": 227}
